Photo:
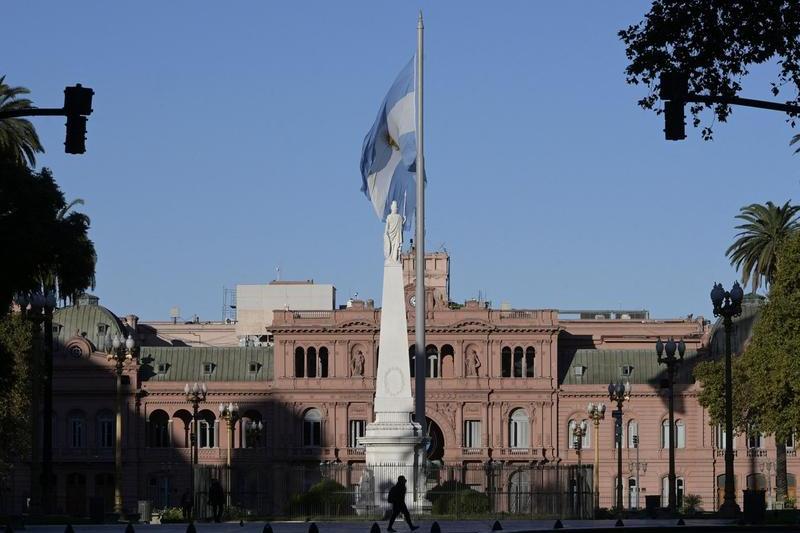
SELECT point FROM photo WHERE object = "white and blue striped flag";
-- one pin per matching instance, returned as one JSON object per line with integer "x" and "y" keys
{"x": 388, "y": 157}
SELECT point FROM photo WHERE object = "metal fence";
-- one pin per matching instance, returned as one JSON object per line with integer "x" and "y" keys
{"x": 356, "y": 491}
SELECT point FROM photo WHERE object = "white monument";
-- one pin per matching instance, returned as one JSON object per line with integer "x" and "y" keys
{"x": 393, "y": 442}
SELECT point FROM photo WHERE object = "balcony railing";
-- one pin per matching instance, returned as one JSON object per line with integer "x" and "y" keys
{"x": 720, "y": 452}
{"x": 756, "y": 452}
{"x": 356, "y": 451}
{"x": 473, "y": 451}
{"x": 312, "y": 315}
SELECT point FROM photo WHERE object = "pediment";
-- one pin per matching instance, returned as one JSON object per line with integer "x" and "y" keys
{"x": 357, "y": 324}
{"x": 472, "y": 324}
{"x": 78, "y": 347}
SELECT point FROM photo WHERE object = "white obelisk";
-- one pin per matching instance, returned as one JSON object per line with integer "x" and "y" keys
{"x": 392, "y": 440}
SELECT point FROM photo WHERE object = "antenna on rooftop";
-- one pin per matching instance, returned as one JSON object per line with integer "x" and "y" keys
{"x": 278, "y": 273}
{"x": 174, "y": 314}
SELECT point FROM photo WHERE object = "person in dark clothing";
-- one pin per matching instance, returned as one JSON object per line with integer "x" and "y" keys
{"x": 187, "y": 502}
{"x": 397, "y": 497}
{"x": 216, "y": 499}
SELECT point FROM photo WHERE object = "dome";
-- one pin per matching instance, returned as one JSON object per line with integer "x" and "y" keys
{"x": 86, "y": 318}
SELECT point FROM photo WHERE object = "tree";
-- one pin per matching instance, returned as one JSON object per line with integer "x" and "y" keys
{"x": 16, "y": 371}
{"x": 771, "y": 362}
{"x": 45, "y": 242}
{"x": 715, "y": 43}
{"x": 18, "y": 139}
{"x": 755, "y": 249}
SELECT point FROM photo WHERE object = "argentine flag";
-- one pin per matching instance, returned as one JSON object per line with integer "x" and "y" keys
{"x": 388, "y": 156}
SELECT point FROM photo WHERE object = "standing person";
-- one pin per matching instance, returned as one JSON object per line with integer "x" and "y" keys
{"x": 397, "y": 497}
{"x": 216, "y": 499}
{"x": 187, "y": 502}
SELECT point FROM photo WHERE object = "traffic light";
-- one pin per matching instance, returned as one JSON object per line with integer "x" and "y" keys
{"x": 674, "y": 125}
{"x": 78, "y": 100}
{"x": 673, "y": 88}
{"x": 76, "y": 135}
{"x": 77, "y": 105}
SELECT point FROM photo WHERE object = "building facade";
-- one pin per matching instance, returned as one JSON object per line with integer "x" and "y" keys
{"x": 505, "y": 386}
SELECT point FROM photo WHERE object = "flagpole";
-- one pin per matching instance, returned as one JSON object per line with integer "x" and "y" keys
{"x": 419, "y": 243}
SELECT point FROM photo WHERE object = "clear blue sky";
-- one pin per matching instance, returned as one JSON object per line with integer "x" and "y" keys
{"x": 226, "y": 139}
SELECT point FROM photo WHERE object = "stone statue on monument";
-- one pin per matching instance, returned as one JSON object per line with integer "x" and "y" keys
{"x": 393, "y": 236}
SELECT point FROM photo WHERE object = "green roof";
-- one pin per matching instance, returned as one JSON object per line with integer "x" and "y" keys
{"x": 601, "y": 367}
{"x": 84, "y": 320}
{"x": 742, "y": 327}
{"x": 190, "y": 364}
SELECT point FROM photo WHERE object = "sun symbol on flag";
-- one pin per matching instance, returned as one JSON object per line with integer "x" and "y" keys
{"x": 391, "y": 142}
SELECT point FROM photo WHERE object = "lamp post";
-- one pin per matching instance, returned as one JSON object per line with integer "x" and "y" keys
{"x": 596, "y": 412}
{"x": 119, "y": 350}
{"x": 672, "y": 362}
{"x": 42, "y": 303}
{"x": 580, "y": 431}
{"x": 728, "y": 304}
{"x": 195, "y": 394}
{"x": 229, "y": 413}
{"x": 254, "y": 429}
{"x": 619, "y": 392}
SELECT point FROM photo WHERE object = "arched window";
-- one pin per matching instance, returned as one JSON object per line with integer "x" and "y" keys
{"x": 158, "y": 430}
{"x": 518, "y": 362}
{"x": 323, "y": 362}
{"x": 206, "y": 426}
{"x": 250, "y": 436}
{"x": 572, "y": 425}
{"x": 530, "y": 357}
{"x": 76, "y": 429}
{"x": 679, "y": 490}
{"x": 311, "y": 362}
{"x": 105, "y": 429}
{"x": 312, "y": 428}
{"x": 633, "y": 431}
{"x": 665, "y": 434}
{"x": 448, "y": 361}
{"x": 182, "y": 419}
{"x": 633, "y": 494}
{"x": 505, "y": 361}
{"x": 755, "y": 440}
{"x": 518, "y": 425}
{"x": 719, "y": 437}
{"x": 680, "y": 434}
{"x": 299, "y": 362}
{"x": 432, "y": 361}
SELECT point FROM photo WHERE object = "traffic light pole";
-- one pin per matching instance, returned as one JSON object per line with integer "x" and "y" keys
{"x": 747, "y": 102}
{"x": 33, "y": 112}
{"x": 77, "y": 106}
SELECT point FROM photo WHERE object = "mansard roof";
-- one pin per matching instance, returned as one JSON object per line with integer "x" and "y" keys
{"x": 601, "y": 367}
{"x": 194, "y": 364}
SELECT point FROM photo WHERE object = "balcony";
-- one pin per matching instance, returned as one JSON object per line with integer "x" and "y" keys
{"x": 516, "y": 454}
{"x": 83, "y": 454}
{"x": 720, "y": 452}
{"x": 756, "y": 452}
{"x": 474, "y": 452}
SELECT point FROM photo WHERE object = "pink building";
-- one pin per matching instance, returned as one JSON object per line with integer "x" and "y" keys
{"x": 506, "y": 386}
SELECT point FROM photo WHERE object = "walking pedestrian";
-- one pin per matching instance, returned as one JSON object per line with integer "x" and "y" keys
{"x": 397, "y": 497}
{"x": 216, "y": 499}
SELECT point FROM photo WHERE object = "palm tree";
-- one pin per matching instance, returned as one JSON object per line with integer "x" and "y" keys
{"x": 755, "y": 249}
{"x": 18, "y": 139}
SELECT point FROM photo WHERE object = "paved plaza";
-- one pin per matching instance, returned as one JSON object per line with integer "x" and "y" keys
{"x": 454, "y": 526}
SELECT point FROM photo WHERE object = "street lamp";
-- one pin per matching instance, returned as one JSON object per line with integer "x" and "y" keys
{"x": 596, "y": 412}
{"x": 121, "y": 351}
{"x": 672, "y": 362}
{"x": 619, "y": 392}
{"x": 728, "y": 305}
{"x": 38, "y": 305}
{"x": 578, "y": 433}
{"x": 254, "y": 429}
{"x": 195, "y": 394}
{"x": 229, "y": 413}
